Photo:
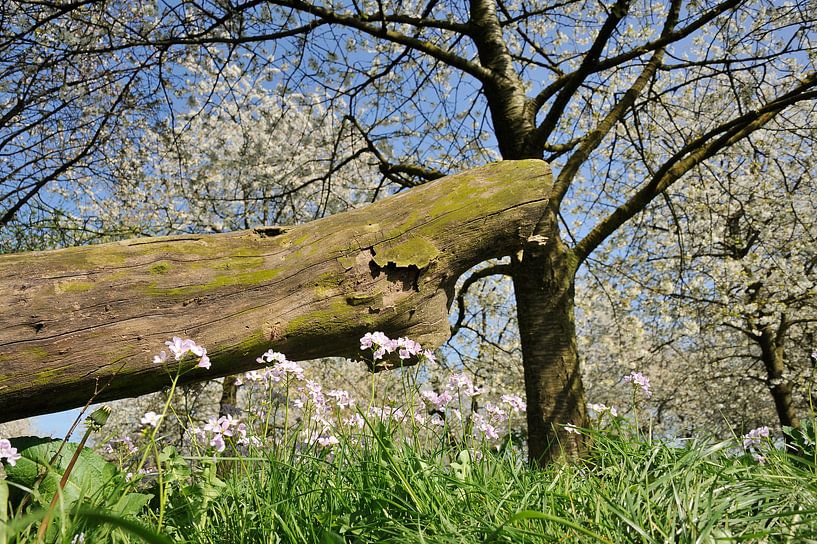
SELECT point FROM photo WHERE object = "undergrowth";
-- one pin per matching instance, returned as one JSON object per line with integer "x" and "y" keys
{"x": 297, "y": 463}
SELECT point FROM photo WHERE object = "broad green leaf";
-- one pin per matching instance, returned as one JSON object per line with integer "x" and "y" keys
{"x": 131, "y": 504}
{"x": 90, "y": 473}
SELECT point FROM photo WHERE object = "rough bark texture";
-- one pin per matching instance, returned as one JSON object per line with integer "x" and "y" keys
{"x": 773, "y": 356}
{"x": 544, "y": 283}
{"x": 87, "y": 318}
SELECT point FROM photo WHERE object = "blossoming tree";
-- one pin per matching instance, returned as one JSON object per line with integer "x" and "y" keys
{"x": 723, "y": 271}
{"x": 430, "y": 86}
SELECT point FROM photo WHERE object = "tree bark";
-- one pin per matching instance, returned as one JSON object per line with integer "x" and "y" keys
{"x": 86, "y": 319}
{"x": 773, "y": 355}
{"x": 544, "y": 284}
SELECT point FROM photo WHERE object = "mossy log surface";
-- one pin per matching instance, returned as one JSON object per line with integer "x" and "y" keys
{"x": 81, "y": 319}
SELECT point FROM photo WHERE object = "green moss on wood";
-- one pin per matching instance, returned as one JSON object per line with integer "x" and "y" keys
{"x": 160, "y": 268}
{"x": 246, "y": 279}
{"x": 327, "y": 285}
{"x": 231, "y": 263}
{"x": 416, "y": 250}
{"x": 337, "y": 311}
{"x": 247, "y": 251}
{"x": 45, "y": 376}
{"x": 35, "y": 352}
{"x": 301, "y": 239}
{"x": 365, "y": 299}
{"x": 74, "y": 286}
{"x": 251, "y": 345}
{"x": 348, "y": 261}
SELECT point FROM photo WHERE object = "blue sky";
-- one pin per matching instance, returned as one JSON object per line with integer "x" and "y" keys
{"x": 55, "y": 425}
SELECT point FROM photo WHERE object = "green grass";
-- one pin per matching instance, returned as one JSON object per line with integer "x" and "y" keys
{"x": 405, "y": 480}
{"x": 624, "y": 491}
{"x": 386, "y": 490}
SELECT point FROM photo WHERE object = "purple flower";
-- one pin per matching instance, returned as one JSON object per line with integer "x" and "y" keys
{"x": 151, "y": 419}
{"x": 641, "y": 380}
{"x": 204, "y": 362}
{"x": 284, "y": 368}
{"x": 367, "y": 341}
{"x": 515, "y": 402}
{"x": 755, "y": 437}
{"x": 257, "y": 377}
{"x": 495, "y": 413}
{"x": 342, "y": 398}
{"x": 427, "y": 357}
{"x": 8, "y": 452}
{"x": 242, "y": 434}
{"x": 200, "y": 352}
{"x": 218, "y": 442}
{"x": 219, "y": 428}
{"x": 271, "y": 357}
{"x": 437, "y": 401}
{"x": 355, "y": 420}
{"x": 602, "y": 408}
{"x": 386, "y": 413}
{"x": 180, "y": 347}
{"x": 407, "y": 348}
{"x": 463, "y": 383}
{"x": 328, "y": 441}
{"x": 379, "y": 343}
{"x": 161, "y": 358}
{"x": 482, "y": 425}
{"x": 314, "y": 392}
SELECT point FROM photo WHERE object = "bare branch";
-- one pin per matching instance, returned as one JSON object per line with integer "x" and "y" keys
{"x": 617, "y": 60}
{"x": 693, "y": 154}
{"x": 591, "y": 58}
{"x": 592, "y": 140}
{"x": 381, "y": 31}
{"x": 495, "y": 270}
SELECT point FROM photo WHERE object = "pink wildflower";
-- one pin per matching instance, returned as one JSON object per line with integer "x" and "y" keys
{"x": 8, "y": 452}
{"x": 755, "y": 437}
{"x": 151, "y": 419}
{"x": 180, "y": 347}
{"x": 515, "y": 402}
{"x": 641, "y": 380}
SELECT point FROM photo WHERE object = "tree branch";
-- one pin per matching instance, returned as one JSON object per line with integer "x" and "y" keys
{"x": 592, "y": 140}
{"x": 73, "y": 316}
{"x": 612, "y": 62}
{"x": 381, "y": 31}
{"x": 691, "y": 155}
{"x": 495, "y": 270}
{"x": 591, "y": 58}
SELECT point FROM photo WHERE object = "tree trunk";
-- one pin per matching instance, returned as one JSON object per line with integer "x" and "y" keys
{"x": 544, "y": 283}
{"x": 229, "y": 395}
{"x": 91, "y": 318}
{"x": 773, "y": 356}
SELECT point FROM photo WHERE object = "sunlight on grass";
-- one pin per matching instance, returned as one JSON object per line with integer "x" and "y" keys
{"x": 297, "y": 463}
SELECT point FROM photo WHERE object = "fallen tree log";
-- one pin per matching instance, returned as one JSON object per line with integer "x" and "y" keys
{"x": 91, "y": 318}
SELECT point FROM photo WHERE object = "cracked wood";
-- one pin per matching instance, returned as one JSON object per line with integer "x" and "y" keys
{"x": 85, "y": 318}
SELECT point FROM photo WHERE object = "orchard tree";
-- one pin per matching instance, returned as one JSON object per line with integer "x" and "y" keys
{"x": 724, "y": 273}
{"x": 432, "y": 87}
{"x": 238, "y": 156}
